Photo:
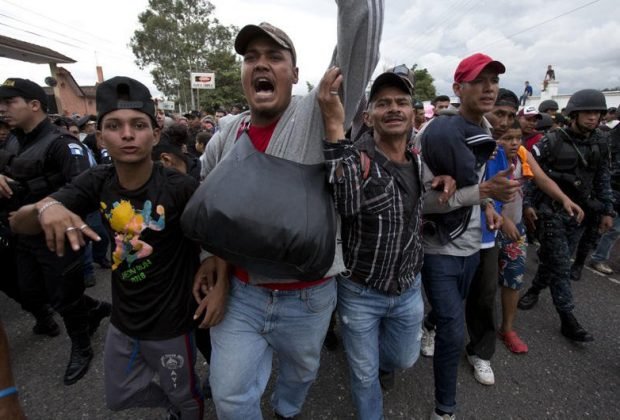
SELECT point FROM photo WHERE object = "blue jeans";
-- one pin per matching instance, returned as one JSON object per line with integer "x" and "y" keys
{"x": 446, "y": 281}
{"x": 607, "y": 242}
{"x": 379, "y": 332}
{"x": 259, "y": 322}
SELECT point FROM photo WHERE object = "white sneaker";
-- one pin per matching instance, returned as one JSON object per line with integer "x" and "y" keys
{"x": 427, "y": 343}
{"x": 482, "y": 370}
{"x": 435, "y": 416}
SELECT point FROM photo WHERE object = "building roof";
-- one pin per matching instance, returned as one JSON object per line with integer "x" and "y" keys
{"x": 32, "y": 53}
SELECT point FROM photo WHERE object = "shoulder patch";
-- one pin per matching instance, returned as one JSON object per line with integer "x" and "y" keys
{"x": 535, "y": 150}
{"x": 76, "y": 149}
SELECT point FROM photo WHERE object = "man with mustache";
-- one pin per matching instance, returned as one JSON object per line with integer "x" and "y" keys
{"x": 378, "y": 192}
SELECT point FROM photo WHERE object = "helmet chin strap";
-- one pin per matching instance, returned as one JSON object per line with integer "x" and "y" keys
{"x": 583, "y": 129}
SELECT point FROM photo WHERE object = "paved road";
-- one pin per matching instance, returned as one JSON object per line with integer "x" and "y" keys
{"x": 557, "y": 379}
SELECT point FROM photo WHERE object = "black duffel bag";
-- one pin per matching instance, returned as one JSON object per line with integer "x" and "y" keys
{"x": 271, "y": 216}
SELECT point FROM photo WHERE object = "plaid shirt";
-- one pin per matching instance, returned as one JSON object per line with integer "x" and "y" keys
{"x": 382, "y": 241}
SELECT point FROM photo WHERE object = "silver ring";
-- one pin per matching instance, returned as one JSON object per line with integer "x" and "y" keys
{"x": 333, "y": 92}
{"x": 83, "y": 226}
{"x": 70, "y": 228}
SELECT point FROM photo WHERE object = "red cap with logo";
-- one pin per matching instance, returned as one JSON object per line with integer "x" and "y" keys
{"x": 469, "y": 68}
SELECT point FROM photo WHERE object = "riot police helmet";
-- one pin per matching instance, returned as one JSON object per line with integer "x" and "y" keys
{"x": 587, "y": 100}
{"x": 548, "y": 104}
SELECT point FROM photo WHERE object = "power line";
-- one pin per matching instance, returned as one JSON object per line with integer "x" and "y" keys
{"x": 54, "y": 20}
{"x": 539, "y": 24}
{"x": 39, "y": 35}
{"x": 47, "y": 29}
{"x": 46, "y": 37}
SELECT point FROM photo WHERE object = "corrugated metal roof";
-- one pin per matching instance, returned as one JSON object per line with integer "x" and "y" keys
{"x": 32, "y": 53}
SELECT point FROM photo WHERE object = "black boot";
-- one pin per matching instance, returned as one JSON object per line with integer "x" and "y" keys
{"x": 575, "y": 271}
{"x": 529, "y": 299}
{"x": 81, "y": 355}
{"x": 46, "y": 326}
{"x": 572, "y": 330}
{"x": 96, "y": 315}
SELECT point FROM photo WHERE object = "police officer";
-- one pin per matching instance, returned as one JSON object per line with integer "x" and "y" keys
{"x": 38, "y": 160}
{"x": 548, "y": 106}
{"x": 577, "y": 159}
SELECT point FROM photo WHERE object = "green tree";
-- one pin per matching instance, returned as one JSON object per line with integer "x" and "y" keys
{"x": 177, "y": 37}
{"x": 424, "y": 88}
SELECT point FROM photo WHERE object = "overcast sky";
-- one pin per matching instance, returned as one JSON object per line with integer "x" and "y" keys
{"x": 578, "y": 37}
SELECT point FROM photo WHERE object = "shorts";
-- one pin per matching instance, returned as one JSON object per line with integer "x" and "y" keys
{"x": 512, "y": 256}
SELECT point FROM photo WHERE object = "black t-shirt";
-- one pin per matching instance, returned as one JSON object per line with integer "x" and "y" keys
{"x": 153, "y": 262}
{"x": 409, "y": 175}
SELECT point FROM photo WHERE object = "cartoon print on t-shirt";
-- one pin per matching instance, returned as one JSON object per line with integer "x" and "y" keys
{"x": 128, "y": 224}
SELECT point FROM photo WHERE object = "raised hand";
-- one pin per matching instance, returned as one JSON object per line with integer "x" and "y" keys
{"x": 330, "y": 104}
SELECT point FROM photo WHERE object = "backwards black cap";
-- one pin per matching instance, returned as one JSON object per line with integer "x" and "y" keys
{"x": 123, "y": 93}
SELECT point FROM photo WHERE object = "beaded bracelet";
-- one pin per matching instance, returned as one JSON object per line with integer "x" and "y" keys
{"x": 47, "y": 206}
{"x": 8, "y": 391}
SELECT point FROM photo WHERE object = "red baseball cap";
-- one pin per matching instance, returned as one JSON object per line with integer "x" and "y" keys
{"x": 469, "y": 68}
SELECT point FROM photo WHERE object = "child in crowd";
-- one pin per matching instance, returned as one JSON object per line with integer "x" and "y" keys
{"x": 202, "y": 139}
{"x": 512, "y": 239}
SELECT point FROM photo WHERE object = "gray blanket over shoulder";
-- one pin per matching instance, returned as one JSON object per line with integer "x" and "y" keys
{"x": 299, "y": 132}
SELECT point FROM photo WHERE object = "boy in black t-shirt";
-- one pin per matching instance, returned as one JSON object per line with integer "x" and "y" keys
{"x": 153, "y": 263}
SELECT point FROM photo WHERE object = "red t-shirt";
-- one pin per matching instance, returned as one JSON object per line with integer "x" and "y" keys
{"x": 530, "y": 141}
{"x": 260, "y": 137}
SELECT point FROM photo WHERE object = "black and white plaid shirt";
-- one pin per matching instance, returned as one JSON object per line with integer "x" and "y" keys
{"x": 382, "y": 241}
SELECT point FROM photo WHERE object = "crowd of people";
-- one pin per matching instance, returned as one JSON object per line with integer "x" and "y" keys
{"x": 217, "y": 240}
